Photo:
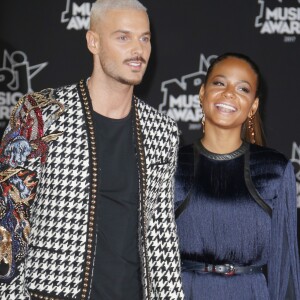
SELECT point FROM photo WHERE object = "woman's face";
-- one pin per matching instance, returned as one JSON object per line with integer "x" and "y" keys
{"x": 228, "y": 96}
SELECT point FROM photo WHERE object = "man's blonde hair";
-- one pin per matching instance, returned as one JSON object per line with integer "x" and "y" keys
{"x": 101, "y": 6}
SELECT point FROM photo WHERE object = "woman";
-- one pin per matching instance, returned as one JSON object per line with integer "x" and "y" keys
{"x": 236, "y": 200}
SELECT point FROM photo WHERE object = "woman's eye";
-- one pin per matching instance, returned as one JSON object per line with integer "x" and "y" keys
{"x": 218, "y": 83}
{"x": 245, "y": 90}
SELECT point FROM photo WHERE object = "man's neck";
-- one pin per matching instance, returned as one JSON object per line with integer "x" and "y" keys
{"x": 112, "y": 100}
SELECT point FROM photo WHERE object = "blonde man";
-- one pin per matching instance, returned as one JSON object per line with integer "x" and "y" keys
{"x": 86, "y": 190}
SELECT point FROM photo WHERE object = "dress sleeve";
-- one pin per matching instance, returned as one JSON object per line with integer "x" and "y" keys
{"x": 283, "y": 265}
{"x": 184, "y": 175}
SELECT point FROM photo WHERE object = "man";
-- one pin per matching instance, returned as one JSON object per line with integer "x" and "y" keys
{"x": 86, "y": 179}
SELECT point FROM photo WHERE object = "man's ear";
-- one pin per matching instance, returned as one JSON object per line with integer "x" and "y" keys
{"x": 92, "y": 39}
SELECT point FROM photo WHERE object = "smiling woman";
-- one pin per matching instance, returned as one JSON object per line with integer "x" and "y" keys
{"x": 235, "y": 199}
{"x": 248, "y": 91}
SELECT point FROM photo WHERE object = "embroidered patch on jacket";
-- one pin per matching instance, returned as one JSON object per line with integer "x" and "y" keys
{"x": 23, "y": 140}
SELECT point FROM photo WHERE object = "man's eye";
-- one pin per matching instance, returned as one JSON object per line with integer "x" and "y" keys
{"x": 145, "y": 39}
{"x": 123, "y": 38}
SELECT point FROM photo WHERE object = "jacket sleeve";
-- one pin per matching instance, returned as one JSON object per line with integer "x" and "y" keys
{"x": 167, "y": 278}
{"x": 283, "y": 266}
{"x": 17, "y": 189}
{"x": 23, "y": 151}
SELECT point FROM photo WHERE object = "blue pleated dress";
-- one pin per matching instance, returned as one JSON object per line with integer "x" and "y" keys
{"x": 224, "y": 224}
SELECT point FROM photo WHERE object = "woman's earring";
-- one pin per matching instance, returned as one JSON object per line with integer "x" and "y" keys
{"x": 203, "y": 116}
{"x": 251, "y": 128}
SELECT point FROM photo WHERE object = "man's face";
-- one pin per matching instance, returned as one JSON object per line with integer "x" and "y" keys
{"x": 124, "y": 45}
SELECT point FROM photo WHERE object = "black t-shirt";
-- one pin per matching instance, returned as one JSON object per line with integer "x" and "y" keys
{"x": 117, "y": 263}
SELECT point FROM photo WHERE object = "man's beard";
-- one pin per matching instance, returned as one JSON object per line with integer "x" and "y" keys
{"x": 109, "y": 69}
{"x": 127, "y": 81}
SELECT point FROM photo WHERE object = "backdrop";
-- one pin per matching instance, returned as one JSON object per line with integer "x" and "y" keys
{"x": 42, "y": 44}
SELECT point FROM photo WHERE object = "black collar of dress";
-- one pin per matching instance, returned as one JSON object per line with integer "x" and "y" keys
{"x": 227, "y": 156}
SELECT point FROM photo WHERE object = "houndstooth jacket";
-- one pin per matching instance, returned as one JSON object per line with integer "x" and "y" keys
{"x": 48, "y": 184}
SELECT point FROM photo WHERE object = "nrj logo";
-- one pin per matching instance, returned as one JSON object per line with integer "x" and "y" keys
{"x": 181, "y": 97}
{"x": 15, "y": 81}
{"x": 279, "y": 17}
{"x": 295, "y": 159}
{"x": 76, "y": 16}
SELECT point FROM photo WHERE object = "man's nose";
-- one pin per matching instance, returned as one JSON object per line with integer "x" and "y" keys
{"x": 137, "y": 48}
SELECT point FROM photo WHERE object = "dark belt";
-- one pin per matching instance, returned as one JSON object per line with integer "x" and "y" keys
{"x": 226, "y": 269}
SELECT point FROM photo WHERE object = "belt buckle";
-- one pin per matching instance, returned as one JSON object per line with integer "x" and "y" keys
{"x": 230, "y": 270}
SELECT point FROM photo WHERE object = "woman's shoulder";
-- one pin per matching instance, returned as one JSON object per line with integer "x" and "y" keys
{"x": 272, "y": 160}
{"x": 186, "y": 155}
{"x": 267, "y": 154}
{"x": 186, "y": 149}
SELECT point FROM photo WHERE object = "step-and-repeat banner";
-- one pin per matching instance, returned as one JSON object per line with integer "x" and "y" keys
{"x": 42, "y": 44}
